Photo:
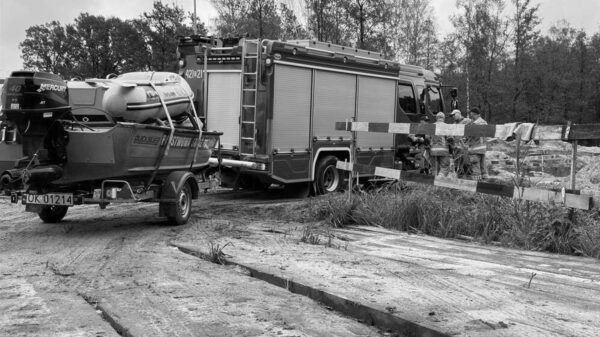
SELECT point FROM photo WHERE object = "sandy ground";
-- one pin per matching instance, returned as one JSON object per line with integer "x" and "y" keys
{"x": 546, "y": 165}
{"x": 121, "y": 271}
{"x": 59, "y": 280}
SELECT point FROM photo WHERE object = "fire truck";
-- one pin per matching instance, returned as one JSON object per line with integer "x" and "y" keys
{"x": 277, "y": 104}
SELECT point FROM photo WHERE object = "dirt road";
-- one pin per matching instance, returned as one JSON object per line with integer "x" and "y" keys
{"x": 120, "y": 271}
{"x": 105, "y": 273}
{"x": 424, "y": 284}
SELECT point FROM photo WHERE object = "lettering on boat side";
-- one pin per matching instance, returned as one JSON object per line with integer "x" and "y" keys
{"x": 146, "y": 140}
{"x": 181, "y": 141}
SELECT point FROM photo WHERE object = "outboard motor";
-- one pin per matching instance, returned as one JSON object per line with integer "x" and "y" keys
{"x": 33, "y": 103}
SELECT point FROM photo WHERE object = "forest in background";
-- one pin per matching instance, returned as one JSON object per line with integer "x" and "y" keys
{"x": 495, "y": 53}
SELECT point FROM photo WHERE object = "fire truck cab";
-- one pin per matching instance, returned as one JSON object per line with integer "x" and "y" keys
{"x": 277, "y": 103}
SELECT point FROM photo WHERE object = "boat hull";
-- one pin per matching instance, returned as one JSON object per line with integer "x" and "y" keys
{"x": 122, "y": 151}
{"x": 129, "y": 150}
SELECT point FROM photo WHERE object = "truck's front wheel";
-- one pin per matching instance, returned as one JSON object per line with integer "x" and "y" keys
{"x": 328, "y": 178}
{"x": 53, "y": 214}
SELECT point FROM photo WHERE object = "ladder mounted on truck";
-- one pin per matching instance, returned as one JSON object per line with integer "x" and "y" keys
{"x": 250, "y": 71}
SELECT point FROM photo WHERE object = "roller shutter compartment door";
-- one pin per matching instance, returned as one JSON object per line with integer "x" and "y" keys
{"x": 334, "y": 101}
{"x": 223, "y": 112}
{"x": 291, "y": 108}
{"x": 376, "y": 103}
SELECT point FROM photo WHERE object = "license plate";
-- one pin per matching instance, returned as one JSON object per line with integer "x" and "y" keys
{"x": 55, "y": 199}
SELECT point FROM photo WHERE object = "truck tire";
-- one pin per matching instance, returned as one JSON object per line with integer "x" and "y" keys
{"x": 182, "y": 208}
{"x": 328, "y": 178}
{"x": 53, "y": 214}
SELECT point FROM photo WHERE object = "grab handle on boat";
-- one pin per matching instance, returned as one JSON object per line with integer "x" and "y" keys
{"x": 199, "y": 126}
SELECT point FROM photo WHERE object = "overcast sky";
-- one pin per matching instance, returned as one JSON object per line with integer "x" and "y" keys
{"x": 18, "y": 15}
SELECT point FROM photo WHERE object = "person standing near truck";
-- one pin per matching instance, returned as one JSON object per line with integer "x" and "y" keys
{"x": 477, "y": 148}
{"x": 460, "y": 150}
{"x": 422, "y": 145}
{"x": 458, "y": 118}
{"x": 440, "y": 153}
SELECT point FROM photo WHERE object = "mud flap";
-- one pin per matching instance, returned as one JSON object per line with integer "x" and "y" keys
{"x": 168, "y": 210}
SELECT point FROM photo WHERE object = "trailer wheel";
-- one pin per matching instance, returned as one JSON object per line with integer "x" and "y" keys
{"x": 183, "y": 206}
{"x": 328, "y": 178}
{"x": 53, "y": 214}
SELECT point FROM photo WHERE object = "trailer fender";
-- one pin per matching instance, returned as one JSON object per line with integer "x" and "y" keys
{"x": 174, "y": 182}
{"x": 169, "y": 197}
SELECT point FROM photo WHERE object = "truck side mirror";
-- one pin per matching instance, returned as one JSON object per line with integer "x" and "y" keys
{"x": 454, "y": 92}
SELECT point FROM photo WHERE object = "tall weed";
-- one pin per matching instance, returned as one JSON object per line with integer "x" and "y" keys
{"x": 448, "y": 214}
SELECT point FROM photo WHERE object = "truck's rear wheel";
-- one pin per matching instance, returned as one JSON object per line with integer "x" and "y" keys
{"x": 53, "y": 214}
{"x": 182, "y": 208}
{"x": 328, "y": 178}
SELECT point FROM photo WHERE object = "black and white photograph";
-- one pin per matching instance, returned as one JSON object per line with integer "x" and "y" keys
{"x": 299, "y": 168}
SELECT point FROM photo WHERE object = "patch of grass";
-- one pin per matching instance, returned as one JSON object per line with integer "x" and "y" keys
{"x": 310, "y": 235}
{"x": 215, "y": 253}
{"x": 322, "y": 234}
{"x": 449, "y": 214}
{"x": 315, "y": 235}
{"x": 335, "y": 209}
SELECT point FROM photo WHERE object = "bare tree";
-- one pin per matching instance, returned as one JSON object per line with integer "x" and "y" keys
{"x": 482, "y": 31}
{"x": 413, "y": 34}
{"x": 525, "y": 24}
{"x": 254, "y": 18}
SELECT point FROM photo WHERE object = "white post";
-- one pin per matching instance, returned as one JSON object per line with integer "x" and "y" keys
{"x": 349, "y": 180}
{"x": 573, "y": 165}
{"x": 194, "y": 20}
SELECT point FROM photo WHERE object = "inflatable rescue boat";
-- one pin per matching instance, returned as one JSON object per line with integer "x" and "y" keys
{"x": 138, "y": 97}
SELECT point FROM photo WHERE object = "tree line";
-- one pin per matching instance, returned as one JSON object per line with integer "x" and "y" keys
{"x": 495, "y": 53}
{"x": 95, "y": 46}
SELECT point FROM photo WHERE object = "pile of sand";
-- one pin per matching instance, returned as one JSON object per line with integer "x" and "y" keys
{"x": 545, "y": 165}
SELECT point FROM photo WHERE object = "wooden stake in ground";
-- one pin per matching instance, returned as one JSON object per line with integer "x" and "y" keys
{"x": 573, "y": 165}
